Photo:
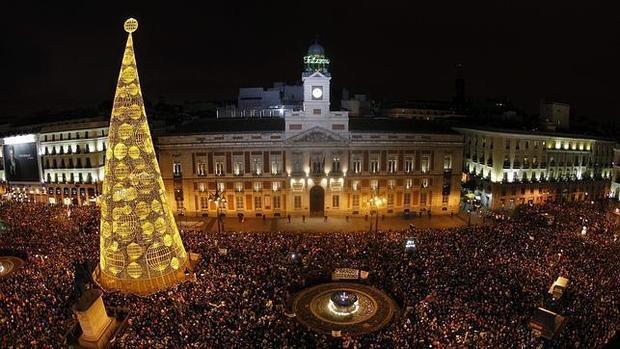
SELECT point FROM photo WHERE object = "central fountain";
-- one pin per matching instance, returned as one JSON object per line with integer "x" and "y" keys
{"x": 343, "y": 303}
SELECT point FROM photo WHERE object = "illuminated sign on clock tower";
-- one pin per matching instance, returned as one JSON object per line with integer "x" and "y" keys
{"x": 316, "y": 79}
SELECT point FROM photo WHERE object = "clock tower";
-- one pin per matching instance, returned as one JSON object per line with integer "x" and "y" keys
{"x": 316, "y": 117}
{"x": 316, "y": 82}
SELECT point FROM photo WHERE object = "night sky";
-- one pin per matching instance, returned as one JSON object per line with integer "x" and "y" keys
{"x": 61, "y": 57}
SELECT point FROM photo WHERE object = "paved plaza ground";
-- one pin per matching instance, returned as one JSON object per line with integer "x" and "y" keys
{"x": 318, "y": 224}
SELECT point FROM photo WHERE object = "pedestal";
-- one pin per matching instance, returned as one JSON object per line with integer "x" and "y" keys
{"x": 96, "y": 325}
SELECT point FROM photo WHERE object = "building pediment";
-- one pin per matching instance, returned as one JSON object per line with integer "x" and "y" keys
{"x": 317, "y": 135}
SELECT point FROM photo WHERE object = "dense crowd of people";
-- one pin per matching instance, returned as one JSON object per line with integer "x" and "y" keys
{"x": 467, "y": 286}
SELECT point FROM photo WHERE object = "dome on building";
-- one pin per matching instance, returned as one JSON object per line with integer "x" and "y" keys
{"x": 315, "y": 60}
{"x": 316, "y": 49}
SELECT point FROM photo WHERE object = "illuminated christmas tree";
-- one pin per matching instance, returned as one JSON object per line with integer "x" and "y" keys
{"x": 140, "y": 247}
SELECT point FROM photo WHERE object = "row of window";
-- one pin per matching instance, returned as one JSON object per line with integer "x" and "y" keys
{"x": 525, "y": 163}
{"x": 409, "y": 183}
{"x": 63, "y": 178}
{"x": 551, "y": 174}
{"x": 239, "y": 202}
{"x": 573, "y": 174}
{"x": 532, "y": 190}
{"x": 68, "y": 164}
{"x": 72, "y": 191}
{"x": 76, "y": 135}
{"x": 550, "y": 198}
{"x": 604, "y": 150}
{"x": 507, "y": 142}
{"x": 421, "y": 199}
{"x": 69, "y": 150}
{"x": 317, "y": 166}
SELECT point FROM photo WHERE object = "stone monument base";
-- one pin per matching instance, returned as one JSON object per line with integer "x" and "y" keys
{"x": 97, "y": 327}
{"x": 103, "y": 340}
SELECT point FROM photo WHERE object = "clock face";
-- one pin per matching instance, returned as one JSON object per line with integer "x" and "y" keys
{"x": 317, "y": 92}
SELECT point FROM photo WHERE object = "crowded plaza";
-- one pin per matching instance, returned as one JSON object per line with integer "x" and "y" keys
{"x": 461, "y": 287}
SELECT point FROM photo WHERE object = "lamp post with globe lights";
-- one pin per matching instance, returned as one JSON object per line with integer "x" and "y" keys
{"x": 375, "y": 202}
{"x": 219, "y": 199}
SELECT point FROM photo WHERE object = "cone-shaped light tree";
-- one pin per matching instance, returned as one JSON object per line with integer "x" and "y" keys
{"x": 141, "y": 250}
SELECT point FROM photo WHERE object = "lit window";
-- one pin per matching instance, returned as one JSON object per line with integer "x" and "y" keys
{"x": 424, "y": 164}
{"x": 391, "y": 184}
{"x": 336, "y": 165}
{"x": 392, "y": 165}
{"x": 275, "y": 167}
{"x": 258, "y": 202}
{"x": 204, "y": 203}
{"x": 258, "y": 166}
{"x": 408, "y": 183}
{"x": 202, "y": 169}
{"x": 258, "y": 186}
{"x": 276, "y": 202}
{"x": 374, "y": 184}
{"x": 219, "y": 168}
{"x": 239, "y": 201}
{"x": 239, "y": 186}
{"x": 176, "y": 169}
{"x": 335, "y": 201}
{"x": 374, "y": 166}
{"x": 357, "y": 166}
{"x": 297, "y": 202}
{"x": 356, "y": 200}
{"x": 409, "y": 165}
{"x": 425, "y": 182}
{"x": 238, "y": 168}
{"x": 276, "y": 185}
{"x": 447, "y": 162}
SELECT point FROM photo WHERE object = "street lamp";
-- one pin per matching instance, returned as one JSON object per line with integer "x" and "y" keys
{"x": 220, "y": 204}
{"x": 375, "y": 202}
